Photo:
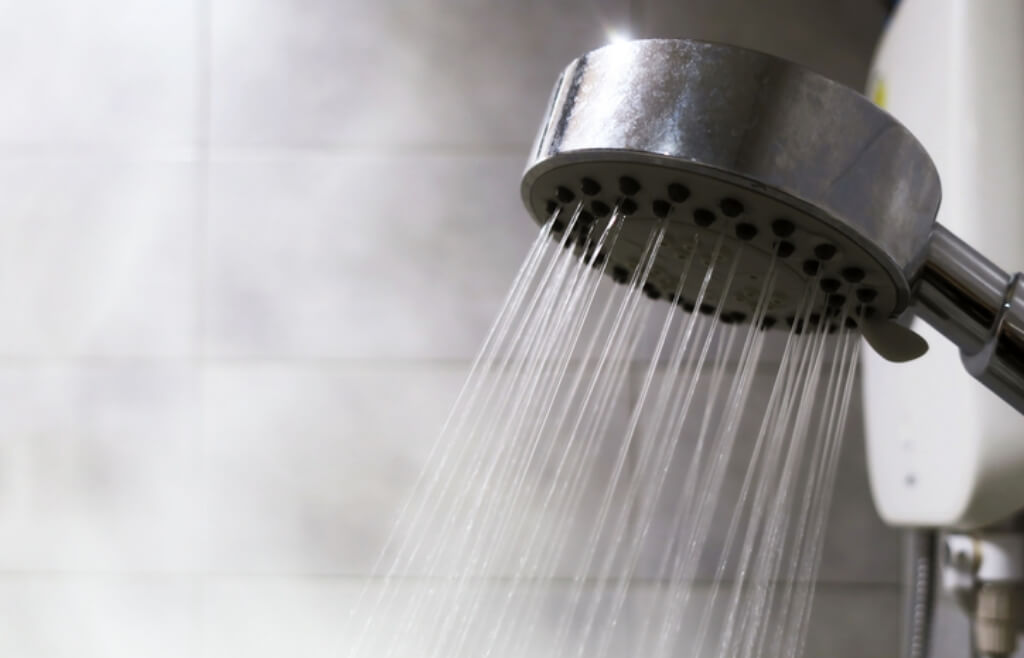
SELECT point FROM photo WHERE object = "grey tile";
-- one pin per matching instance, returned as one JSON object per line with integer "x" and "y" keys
{"x": 97, "y": 468}
{"x": 308, "y": 468}
{"x": 99, "y": 258}
{"x": 279, "y": 616}
{"x": 112, "y": 73}
{"x": 465, "y": 73}
{"x": 951, "y": 632}
{"x": 853, "y": 621}
{"x": 362, "y": 256}
{"x": 266, "y": 617}
{"x": 593, "y": 620}
{"x": 572, "y": 514}
{"x": 660, "y": 523}
{"x": 845, "y": 620}
{"x": 857, "y": 546}
{"x": 835, "y": 38}
{"x": 680, "y": 621}
{"x": 94, "y": 616}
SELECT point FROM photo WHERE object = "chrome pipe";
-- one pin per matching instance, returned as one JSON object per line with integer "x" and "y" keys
{"x": 959, "y": 292}
{"x": 979, "y": 307}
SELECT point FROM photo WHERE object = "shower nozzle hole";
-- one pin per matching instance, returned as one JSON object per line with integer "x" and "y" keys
{"x": 853, "y": 274}
{"x": 620, "y": 274}
{"x": 746, "y": 231}
{"x": 600, "y": 209}
{"x": 590, "y": 187}
{"x": 783, "y": 228}
{"x": 703, "y": 217}
{"x": 661, "y": 208}
{"x": 678, "y": 192}
{"x": 628, "y": 186}
{"x": 867, "y": 311}
{"x": 811, "y": 267}
{"x": 558, "y": 226}
{"x": 785, "y": 249}
{"x": 652, "y": 291}
{"x": 551, "y": 206}
{"x": 564, "y": 194}
{"x": 731, "y": 207}
{"x": 627, "y": 206}
{"x": 867, "y": 295}
{"x": 830, "y": 285}
{"x": 825, "y": 251}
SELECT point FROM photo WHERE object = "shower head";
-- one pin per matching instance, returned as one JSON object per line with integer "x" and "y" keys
{"x": 735, "y": 150}
{"x": 721, "y": 150}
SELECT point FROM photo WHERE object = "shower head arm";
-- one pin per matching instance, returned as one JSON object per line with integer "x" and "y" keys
{"x": 977, "y": 306}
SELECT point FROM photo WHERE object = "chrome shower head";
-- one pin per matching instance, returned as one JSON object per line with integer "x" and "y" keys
{"x": 712, "y": 140}
{"x": 762, "y": 156}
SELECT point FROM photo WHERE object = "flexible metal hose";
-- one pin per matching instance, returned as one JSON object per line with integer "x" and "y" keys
{"x": 919, "y": 591}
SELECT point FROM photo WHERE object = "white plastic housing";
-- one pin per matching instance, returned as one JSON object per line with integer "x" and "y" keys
{"x": 942, "y": 449}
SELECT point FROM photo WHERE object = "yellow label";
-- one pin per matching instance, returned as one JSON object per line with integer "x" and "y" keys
{"x": 878, "y": 92}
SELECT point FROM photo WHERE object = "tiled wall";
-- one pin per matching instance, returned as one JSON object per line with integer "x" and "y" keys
{"x": 250, "y": 247}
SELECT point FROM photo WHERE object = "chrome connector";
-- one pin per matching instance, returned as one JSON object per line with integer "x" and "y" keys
{"x": 977, "y": 306}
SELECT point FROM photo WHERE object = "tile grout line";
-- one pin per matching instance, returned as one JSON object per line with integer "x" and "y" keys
{"x": 131, "y": 153}
{"x": 639, "y": 584}
{"x": 309, "y": 364}
{"x": 204, "y": 92}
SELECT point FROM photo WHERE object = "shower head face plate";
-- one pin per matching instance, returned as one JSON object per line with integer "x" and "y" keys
{"x": 703, "y": 214}
{"x": 731, "y": 147}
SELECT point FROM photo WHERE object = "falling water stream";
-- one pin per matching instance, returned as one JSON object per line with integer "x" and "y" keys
{"x": 579, "y": 500}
